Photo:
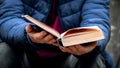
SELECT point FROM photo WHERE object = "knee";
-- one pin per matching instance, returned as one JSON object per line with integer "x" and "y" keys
{"x": 8, "y": 58}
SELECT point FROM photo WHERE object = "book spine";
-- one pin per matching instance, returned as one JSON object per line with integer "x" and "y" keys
{"x": 60, "y": 42}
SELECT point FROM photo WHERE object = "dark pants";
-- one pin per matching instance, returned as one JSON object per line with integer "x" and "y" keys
{"x": 74, "y": 62}
{"x": 9, "y": 58}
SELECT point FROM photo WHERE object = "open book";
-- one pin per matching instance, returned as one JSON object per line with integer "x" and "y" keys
{"x": 73, "y": 36}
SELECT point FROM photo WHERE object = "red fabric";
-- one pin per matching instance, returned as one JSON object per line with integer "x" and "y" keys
{"x": 54, "y": 22}
{"x": 57, "y": 25}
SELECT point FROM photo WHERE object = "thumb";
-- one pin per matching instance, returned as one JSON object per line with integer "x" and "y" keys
{"x": 29, "y": 28}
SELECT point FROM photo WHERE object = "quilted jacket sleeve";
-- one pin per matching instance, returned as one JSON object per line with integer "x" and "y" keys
{"x": 12, "y": 26}
{"x": 96, "y": 12}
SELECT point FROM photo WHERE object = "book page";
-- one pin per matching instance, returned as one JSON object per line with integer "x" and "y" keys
{"x": 82, "y": 38}
{"x": 81, "y": 35}
{"x": 78, "y": 30}
{"x": 42, "y": 25}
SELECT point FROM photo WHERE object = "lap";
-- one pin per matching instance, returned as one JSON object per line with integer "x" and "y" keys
{"x": 8, "y": 57}
{"x": 74, "y": 62}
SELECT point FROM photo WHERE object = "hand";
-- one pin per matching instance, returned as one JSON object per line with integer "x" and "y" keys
{"x": 79, "y": 49}
{"x": 40, "y": 37}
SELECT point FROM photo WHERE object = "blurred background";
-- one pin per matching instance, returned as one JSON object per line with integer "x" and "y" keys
{"x": 114, "y": 43}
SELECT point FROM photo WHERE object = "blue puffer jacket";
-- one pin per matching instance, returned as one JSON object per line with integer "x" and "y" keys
{"x": 72, "y": 13}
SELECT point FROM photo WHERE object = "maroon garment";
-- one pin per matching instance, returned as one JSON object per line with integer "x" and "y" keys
{"x": 53, "y": 19}
{"x": 54, "y": 22}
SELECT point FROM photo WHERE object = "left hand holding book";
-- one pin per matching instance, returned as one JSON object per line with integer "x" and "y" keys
{"x": 40, "y": 37}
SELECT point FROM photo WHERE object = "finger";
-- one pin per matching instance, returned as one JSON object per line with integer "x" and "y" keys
{"x": 48, "y": 38}
{"x": 80, "y": 49}
{"x": 90, "y": 46}
{"x": 73, "y": 49}
{"x": 40, "y": 35}
{"x": 62, "y": 49}
{"x": 52, "y": 41}
{"x": 65, "y": 49}
{"x": 29, "y": 28}
{"x": 37, "y": 36}
{"x": 85, "y": 49}
{"x": 55, "y": 44}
